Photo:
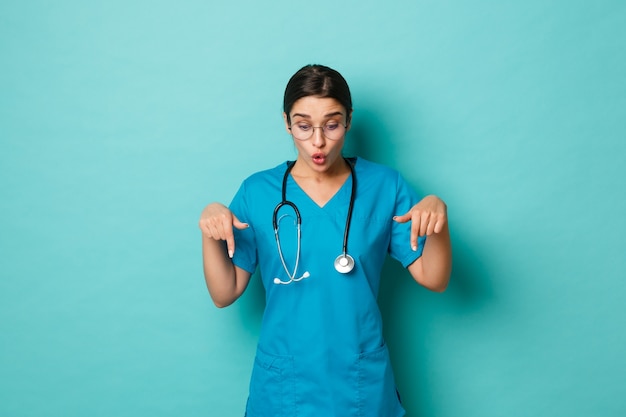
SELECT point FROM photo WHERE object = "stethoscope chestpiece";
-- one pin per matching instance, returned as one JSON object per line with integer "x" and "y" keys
{"x": 344, "y": 263}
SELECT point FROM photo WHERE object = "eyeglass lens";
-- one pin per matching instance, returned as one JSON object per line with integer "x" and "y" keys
{"x": 303, "y": 131}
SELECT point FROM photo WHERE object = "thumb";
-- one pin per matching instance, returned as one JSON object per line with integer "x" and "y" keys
{"x": 238, "y": 224}
{"x": 403, "y": 218}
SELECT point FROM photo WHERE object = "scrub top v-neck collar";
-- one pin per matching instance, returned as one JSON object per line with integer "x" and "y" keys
{"x": 333, "y": 202}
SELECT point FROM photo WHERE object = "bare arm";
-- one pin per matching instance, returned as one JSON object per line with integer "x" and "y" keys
{"x": 225, "y": 281}
{"x": 429, "y": 218}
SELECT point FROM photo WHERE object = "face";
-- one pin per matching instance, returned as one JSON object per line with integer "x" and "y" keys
{"x": 318, "y": 153}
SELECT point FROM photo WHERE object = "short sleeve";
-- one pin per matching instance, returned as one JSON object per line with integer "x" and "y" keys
{"x": 400, "y": 244}
{"x": 245, "y": 256}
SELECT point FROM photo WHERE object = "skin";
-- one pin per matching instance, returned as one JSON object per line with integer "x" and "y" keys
{"x": 320, "y": 171}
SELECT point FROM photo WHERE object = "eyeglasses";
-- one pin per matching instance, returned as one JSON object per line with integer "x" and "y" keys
{"x": 304, "y": 131}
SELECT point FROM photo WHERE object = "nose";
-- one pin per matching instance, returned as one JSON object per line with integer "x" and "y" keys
{"x": 318, "y": 138}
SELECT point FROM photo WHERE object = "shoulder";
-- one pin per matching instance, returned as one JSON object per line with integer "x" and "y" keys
{"x": 260, "y": 187}
{"x": 373, "y": 171}
{"x": 266, "y": 177}
{"x": 382, "y": 182}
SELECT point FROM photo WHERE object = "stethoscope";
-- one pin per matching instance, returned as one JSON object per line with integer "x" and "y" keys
{"x": 344, "y": 263}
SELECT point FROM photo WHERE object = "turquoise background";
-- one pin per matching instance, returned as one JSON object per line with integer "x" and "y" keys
{"x": 120, "y": 120}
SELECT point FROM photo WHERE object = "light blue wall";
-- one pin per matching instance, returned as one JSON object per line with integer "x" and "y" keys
{"x": 120, "y": 120}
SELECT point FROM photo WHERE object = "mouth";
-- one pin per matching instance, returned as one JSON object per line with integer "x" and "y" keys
{"x": 319, "y": 158}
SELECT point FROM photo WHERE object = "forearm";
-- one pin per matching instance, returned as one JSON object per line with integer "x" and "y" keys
{"x": 224, "y": 282}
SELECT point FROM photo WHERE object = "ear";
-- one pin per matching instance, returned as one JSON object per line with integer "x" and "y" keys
{"x": 286, "y": 123}
{"x": 349, "y": 121}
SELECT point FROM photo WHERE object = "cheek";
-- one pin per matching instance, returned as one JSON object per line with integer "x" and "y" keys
{"x": 299, "y": 145}
{"x": 338, "y": 146}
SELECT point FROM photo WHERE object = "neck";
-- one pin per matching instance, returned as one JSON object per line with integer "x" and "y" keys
{"x": 338, "y": 169}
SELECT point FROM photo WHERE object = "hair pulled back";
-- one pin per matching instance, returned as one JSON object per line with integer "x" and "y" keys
{"x": 319, "y": 81}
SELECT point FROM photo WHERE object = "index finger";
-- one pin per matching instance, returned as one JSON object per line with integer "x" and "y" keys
{"x": 229, "y": 237}
{"x": 415, "y": 231}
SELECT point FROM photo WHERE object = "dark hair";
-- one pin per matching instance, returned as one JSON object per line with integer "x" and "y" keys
{"x": 318, "y": 81}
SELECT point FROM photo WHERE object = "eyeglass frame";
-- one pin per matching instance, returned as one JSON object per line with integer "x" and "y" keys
{"x": 318, "y": 127}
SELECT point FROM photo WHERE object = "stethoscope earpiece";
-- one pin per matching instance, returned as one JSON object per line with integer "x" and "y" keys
{"x": 291, "y": 279}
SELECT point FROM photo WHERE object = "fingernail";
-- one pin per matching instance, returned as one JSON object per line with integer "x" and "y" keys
{"x": 414, "y": 248}
{"x": 230, "y": 253}
{"x": 395, "y": 217}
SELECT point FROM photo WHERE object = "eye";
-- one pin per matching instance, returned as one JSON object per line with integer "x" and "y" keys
{"x": 331, "y": 126}
{"x": 305, "y": 127}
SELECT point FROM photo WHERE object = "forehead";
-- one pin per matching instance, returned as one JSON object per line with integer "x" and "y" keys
{"x": 314, "y": 107}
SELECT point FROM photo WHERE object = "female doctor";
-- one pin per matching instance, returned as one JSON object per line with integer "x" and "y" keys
{"x": 319, "y": 229}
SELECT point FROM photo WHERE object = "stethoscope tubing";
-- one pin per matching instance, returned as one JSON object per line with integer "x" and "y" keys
{"x": 346, "y": 231}
{"x": 280, "y": 251}
{"x": 344, "y": 263}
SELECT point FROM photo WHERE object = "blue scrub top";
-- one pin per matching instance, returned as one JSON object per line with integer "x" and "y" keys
{"x": 321, "y": 350}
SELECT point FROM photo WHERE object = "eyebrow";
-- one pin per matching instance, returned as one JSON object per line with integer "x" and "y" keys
{"x": 306, "y": 116}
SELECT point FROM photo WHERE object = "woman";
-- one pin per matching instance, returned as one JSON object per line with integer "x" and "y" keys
{"x": 321, "y": 350}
